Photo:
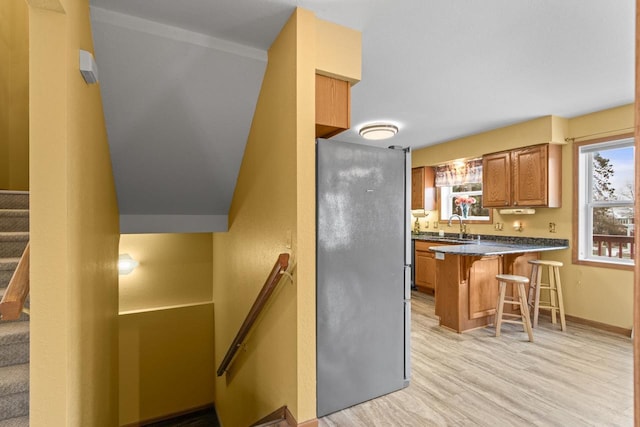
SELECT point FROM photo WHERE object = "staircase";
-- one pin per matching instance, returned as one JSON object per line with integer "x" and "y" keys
{"x": 14, "y": 335}
{"x": 281, "y": 417}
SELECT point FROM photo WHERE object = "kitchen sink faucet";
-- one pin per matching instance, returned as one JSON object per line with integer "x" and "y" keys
{"x": 463, "y": 227}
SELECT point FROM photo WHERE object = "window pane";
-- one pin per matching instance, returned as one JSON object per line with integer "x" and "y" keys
{"x": 613, "y": 174}
{"x": 474, "y": 209}
{"x": 464, "y": 200}
{"x": 605, "y": 188}
{"x": 613, "y": 232}
{"x": 476, "y": 186}
{"x": 614, "y": 221}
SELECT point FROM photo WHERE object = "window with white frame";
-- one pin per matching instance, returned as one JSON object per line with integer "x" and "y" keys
{"x": 606, "y": 193}
{"x": 460, "y": 190}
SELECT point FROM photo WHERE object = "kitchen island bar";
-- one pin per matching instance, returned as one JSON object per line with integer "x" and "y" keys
{"x": 467, "y": 290}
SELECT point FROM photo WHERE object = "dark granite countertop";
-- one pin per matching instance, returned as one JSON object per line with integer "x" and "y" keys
{"x": 490, "y": 245}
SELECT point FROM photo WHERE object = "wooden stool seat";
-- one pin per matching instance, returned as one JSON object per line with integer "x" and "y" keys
{"x": 518, "y": 283}
{"x": 546, "y": 262}
{"x": 555, "y": 303}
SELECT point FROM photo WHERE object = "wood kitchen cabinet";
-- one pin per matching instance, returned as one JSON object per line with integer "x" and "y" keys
{"x": 333, "y": 106}
{"x": 496, "y": 180}
{"x": 482, "y": 285}
{"x": 526, "y": 177}
{"x": 425, "y": 265}
{"x": 423, "y": 188}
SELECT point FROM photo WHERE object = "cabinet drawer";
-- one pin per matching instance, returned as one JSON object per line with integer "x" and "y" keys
{"x": 424, "y": 246}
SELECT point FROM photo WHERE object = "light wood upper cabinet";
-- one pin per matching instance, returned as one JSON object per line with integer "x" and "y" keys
{"x": 537, "y": 176}
{"x": 526, "y": 177}
{"x": 496, "y": 180}
{"x": 423, "y": 190}
{"x": 333, "y": 106}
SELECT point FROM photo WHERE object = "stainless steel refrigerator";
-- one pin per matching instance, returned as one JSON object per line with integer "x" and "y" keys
{"x": 363, "y": 273}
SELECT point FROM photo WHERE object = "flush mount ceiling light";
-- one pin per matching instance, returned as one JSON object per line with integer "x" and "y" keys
{"x": 378, "y": 131}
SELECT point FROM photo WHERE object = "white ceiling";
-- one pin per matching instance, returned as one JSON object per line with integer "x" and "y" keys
{"x": 180, "y": 80}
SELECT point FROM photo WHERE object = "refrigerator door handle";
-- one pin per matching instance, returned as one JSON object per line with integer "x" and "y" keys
{"x": 407, "y": 282}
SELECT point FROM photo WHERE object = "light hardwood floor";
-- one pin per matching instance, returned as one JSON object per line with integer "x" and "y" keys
{"x": 582, "y": 377}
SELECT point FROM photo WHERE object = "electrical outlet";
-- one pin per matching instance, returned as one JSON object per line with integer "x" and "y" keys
{"x": 552, "y": 227}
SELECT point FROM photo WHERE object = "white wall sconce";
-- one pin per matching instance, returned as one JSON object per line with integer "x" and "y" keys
{"x": 517, "y": 226}
{"x": 88, "y": 67}
{"x": 126, "y": 264}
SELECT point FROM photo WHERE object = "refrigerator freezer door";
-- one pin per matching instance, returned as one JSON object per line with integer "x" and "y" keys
{"x": 361, "y": 237}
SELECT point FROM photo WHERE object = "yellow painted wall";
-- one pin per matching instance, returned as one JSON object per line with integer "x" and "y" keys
{"x": 262, "y": 214}
{"x": 165, "y": 362}
{"x": 14, "y": 93}
{"x": 599, "y": 294}
{"x": 273, "y": 211}
{"x": 532, "y": 132}
{"x": 334, "y": 51}
{"x": 166, "y": 326}
{"x": 174, "y": 269}
{"x": 74, "y": 228}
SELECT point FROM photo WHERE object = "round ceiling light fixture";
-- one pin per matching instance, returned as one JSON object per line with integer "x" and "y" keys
{"x": 378, "y": 131}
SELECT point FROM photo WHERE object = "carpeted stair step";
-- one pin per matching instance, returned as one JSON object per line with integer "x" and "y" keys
{"x": 14, "y": 220}
{"x": 14, "y": 199}
{"x": 15, "y": 422}
{"x": 14, "y": 391}
{"x": 14, "y": 343}
{"x": 12, "y": 244}
{"x": 14, "y": 335}
{"x": 7, "y": 267}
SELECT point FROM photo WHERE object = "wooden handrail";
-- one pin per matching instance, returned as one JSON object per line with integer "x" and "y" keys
{"x": 267, "y": 289}
{"x": 17, "y": 291}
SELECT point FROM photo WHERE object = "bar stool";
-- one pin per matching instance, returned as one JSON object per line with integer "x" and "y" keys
{"x": 555, "y": 289}
{"x": 517, "y": 283}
